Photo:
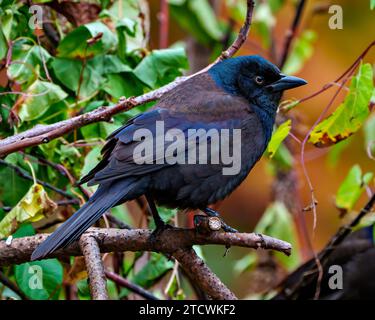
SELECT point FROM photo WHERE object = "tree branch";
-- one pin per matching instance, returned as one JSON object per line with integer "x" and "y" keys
{"x": 45, "y": 133}
{"x": 198, "y": 271}
{"x": 95, "y": 268}
{"x": 167, "y": 242}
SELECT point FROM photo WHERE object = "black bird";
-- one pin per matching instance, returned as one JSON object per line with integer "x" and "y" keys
{"x": 355, "y": 257}
{"x": 238, "y": 93}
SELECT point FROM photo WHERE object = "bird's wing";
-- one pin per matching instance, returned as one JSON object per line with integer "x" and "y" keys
{"x": 119, "y": 153}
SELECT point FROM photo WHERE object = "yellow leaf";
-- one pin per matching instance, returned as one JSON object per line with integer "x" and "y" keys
{"x": 34, "y": 206}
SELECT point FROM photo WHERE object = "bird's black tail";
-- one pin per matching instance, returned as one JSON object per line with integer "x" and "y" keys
{"x": 103, "y": 199}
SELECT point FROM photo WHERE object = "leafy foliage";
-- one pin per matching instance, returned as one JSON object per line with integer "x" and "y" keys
{"x": 352, "y": 188}
{"x": 198, "y": 18}
{"x": 301, "y": 51}
{"x": 350, "y": 115}
{"x": 35, "y": 205}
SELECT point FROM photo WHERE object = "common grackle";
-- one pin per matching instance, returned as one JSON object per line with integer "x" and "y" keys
{"x": 239, "y": 93}
{"x": 347, "y": 272}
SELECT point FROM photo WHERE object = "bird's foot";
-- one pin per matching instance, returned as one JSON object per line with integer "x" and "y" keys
{"x": 212, "y": 213}
{"x": 160, "y": 228}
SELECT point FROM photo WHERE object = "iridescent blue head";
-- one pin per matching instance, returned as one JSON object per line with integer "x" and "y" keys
{"x": 254, "y": 78}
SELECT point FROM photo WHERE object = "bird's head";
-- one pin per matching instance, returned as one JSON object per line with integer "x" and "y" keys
{"x": 253, "y": 77}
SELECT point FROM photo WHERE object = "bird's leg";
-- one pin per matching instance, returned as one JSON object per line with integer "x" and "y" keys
{"x": 212, "y": 213}
{"x": 160, "y": 224}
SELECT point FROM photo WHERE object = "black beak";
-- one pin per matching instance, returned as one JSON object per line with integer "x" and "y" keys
{"x": 286, "y": 83}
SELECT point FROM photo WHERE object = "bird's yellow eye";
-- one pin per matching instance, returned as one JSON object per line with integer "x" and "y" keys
{"x": 259, "y": 79}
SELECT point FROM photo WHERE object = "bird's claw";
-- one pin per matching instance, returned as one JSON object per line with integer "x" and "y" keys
{"x": 212, "y": 213}
{"x": 228, "y": 228}
{"x": 160, "y": 227}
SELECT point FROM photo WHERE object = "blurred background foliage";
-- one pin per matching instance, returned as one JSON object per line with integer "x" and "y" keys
{"x": 89, "y": 54}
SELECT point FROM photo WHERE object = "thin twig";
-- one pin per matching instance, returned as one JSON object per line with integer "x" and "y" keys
{"x": 120, "y": 224}
{"x": 61, "y": 169}
{"x": 129, "y": 285}
{"x": 11, "y": 285}
{"x": 23, "y": 174}
{"x": 291, "y": 33}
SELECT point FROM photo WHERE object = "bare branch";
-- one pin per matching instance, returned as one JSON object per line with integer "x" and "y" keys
{"x": 242, "y": 35}
{"x": 167, "y": 242}
{"x": 95, "y": 268}
{"x": 202, "y": 275}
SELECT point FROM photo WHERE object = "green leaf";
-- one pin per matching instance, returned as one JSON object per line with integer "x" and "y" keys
{"x": 25, "y": 230}
{"x": 154, "y": 269}
{"x": 175, "y": 292}
{"x": 69, "y": 154}
{"x": 91, "y": 160}
{"x": 276, "y": 5}
{"x": 27, "y": 62}
{"x": 35, "y": 205}
{"x": 12, "y": 186}
{"x": 98, "y": 130}
{"x": 74, "y": 45}
{"x": 198, "y": 19}
{"x": 282, "y": 160}
{"x": 351, "y": 189}
{"x": 83, "y": 290}
{"x": 42, "y": 95}
{"x": 122, "y": 85}
{"x": 246, "y": 263}
{"x": 372, "y": 4}
{"x": 109, "y": 64}
{"x": 302, "y": 50}
{"x": 264, "y": 21}
{"x": 161, "y": 66}
{"x": 350, "y": 115}
{"x": 206, "y": 17}
{"x": 3, "y": 45}
{"x": 40, "y": 280}
{"x": 278, "y": 137}
{"x": 278, "y": 222}
{"x": 68, "y": 72}
{"x": 129, "y": 22}
{"x": 7, "y": 19}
